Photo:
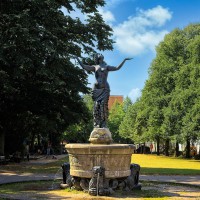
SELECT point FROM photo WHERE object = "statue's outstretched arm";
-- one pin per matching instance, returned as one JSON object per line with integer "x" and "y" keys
{"x": 110, "y": 68}
{"x": 86, "y": 67}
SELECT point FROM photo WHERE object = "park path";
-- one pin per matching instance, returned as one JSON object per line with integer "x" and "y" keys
{"x": 10, "y": 177}
{"x": 184, "y": 179}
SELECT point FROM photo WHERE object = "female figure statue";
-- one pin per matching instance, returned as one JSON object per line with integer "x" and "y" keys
{"x": 101, "y": 89}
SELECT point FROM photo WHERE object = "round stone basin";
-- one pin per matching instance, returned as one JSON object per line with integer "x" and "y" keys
{"x": 115, "y": 158}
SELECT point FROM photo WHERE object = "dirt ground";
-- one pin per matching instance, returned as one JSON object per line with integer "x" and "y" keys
{"x": 149, "y": 191}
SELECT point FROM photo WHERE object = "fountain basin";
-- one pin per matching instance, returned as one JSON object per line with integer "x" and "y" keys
{"x": 115, "y": 158}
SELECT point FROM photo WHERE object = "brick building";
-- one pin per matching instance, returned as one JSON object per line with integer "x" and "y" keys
{"x": 113, "y": 98}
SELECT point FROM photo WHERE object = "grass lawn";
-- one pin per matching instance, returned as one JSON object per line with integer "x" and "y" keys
{"x": 153, "y": 164}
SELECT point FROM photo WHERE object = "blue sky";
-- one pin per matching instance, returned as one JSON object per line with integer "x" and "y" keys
{"x": 139, "y": 25}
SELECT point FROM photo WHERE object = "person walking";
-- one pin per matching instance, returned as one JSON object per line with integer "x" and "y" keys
{"x": 48, "y": 149}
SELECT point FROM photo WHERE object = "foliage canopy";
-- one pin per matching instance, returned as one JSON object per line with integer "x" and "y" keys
{"x": 40, "y": 86}
{"x": 169, "y": 106}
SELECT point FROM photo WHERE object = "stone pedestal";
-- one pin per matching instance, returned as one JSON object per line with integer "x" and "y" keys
{"x": 100, "y": 136}
{"x": 114, "y": 158}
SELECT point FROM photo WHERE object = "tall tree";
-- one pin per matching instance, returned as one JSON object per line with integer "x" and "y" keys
{"x": 80, "y": 132}
{"x": 132, "y": 125}
{"x": 116, "y": 115}
{"x": 127, "y": 104}
{"x": 169, "y": 104}
{"x": 40, "y": 86}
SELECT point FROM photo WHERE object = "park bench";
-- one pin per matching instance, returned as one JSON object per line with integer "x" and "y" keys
{"x": 15, "y": 157}
{"x": 3, "y": 160}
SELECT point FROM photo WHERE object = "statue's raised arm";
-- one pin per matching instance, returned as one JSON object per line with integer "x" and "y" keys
{"x": 101, "y": 88}
{"x": 86, "y": 67}
{"x": 111, "y": 68}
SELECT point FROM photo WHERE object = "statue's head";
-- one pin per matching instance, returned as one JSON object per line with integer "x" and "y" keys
{"x": 98, "y": 57}
{"x": 98, "y": 170}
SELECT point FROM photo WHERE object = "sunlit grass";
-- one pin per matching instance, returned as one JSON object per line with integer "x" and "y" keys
{"x": 150, "y": 164}
{"x": 153, "y": 164}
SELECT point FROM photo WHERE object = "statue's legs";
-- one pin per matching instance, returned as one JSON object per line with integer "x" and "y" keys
{"x": 100, "y": 112}
{"x": 104, "y": 113}
{"x": 97, "y": 114}
{"x": 106, "y": 110}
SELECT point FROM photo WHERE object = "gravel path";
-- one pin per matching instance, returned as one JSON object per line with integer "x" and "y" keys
{"x": 190, "y": 180}
{"x": 11, "y": 178}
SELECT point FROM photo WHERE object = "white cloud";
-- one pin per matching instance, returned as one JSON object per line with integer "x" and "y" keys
{"x": 76, "y": 13}
{"x": 141, "y": 33}
{"x": 107, "y": 15}
{"x": 134, "y": 94}
{"x": 156, "y": 16}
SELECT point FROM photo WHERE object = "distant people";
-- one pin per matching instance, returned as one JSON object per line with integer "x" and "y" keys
{"x": 17, "y": 157}
{"x": 53, "y": 157}
{"x": 151, "y": 147}
{"x": 39, "y": 152}
{"x": 193, "y": 150}
{"x": 27, "y": 152}
{"x": 48, "y": 149}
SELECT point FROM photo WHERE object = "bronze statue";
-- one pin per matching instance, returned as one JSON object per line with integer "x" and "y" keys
{"x": 101, "y": 89}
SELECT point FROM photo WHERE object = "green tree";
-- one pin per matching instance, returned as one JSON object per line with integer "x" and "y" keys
{"x": 116, "y": 115}
{"x": 127, "y": 104}
{"x": 170, "y": 55}
{"x": 80, "y": 132}
{"x": 186, "y": 92}
{"x": 168, "y": 107}
{"x": 40, "y": 86}
{"x": 128, "y": 128}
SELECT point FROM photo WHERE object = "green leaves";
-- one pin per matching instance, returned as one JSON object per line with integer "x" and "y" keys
{"x": 37, "y": 75}
{"x": 169, "y": 103}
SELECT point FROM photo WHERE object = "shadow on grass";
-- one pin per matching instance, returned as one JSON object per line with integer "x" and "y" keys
{"x": 169, "y": 171}
{"x": 40, "y": 190}
{"x": 147, "y": 193}
{"x": 31, "y": 167}
{"x": 196, "y": 161}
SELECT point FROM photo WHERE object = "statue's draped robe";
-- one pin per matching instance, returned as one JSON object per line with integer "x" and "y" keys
{"x": 100, "y": 98}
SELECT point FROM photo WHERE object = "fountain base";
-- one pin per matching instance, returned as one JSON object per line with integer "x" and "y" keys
{"x": 101, "y": 168}
{"x": 115, "y": 158}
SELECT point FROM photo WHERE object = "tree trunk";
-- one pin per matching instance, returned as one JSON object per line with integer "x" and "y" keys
{"x": 167, "y": 147}
{"x": 32, "y": 142}
{"x": 38, "y": 139}
{"x": 158, "y": 145}
{"x": 141, "y": 151}
{"x": 2, "y": 142}
{"x": 177, "y": 149}
{"x": 187, "y": 148}
{"x": 144, "y": 149}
